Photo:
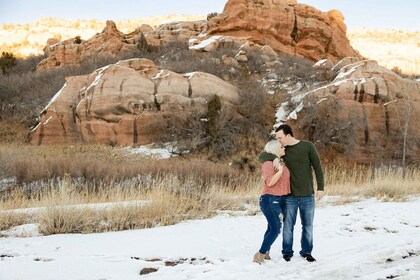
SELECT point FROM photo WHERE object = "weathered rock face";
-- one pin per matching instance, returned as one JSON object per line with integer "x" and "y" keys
{"x": 125, "y": 103}
{"x": 180, "y": 31}
{"x": 111, "y": 42}
{"x": 362, "y": 114}
{"x": 287, "y": 27}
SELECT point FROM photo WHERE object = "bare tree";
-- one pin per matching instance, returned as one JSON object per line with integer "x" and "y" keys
{"x": 403, "y": 125}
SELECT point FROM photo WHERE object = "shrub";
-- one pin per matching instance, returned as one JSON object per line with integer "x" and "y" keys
{"x": 214, "y": 106}
{"x": 77, "y": 40}
{"x": 212, "y": 15}
{"x": 7, "y": 62}
{"x": 295, "y": 68}
{"x": 142, "y": 44}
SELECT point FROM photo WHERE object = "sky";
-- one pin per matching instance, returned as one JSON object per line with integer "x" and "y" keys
{"x": 357, "y": 13}
{"x": 363, "y": 240}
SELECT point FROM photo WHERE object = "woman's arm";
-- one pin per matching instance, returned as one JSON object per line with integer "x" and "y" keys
{"x": 270, "y": 176}
{"x": 276, "y": 176}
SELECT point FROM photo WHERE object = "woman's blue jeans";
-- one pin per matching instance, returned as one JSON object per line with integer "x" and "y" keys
{"x": 271, "y": 206}
{"x": 306, "y": 206}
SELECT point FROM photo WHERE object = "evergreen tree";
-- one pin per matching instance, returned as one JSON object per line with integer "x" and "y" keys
{"x": 7, "y": 62}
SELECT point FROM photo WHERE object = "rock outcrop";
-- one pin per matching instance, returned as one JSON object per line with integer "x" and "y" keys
{"x": 111, "y": 42}
{"x": 288, "y": 27}
{"x": 362, "y": 114}
{"x": 72, "y": 52}
{"x": 126, "y": 103}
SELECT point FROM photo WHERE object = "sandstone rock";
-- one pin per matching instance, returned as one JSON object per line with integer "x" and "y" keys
{"x": 268, "y": 51}
{"x": 287, "y": 27}
{"x": 229, "y": 60}
{"x": 112, "y": 42}
{"x": 125, "y": 103}
{"x": 241, "y": 56}
{"x": 179, "y": 31}
{"x": 344, "y": 62}
{"x": 50, "y": 42}
{"x": 145, "y": 28}
{"x": 109, "y": 42}
{"x": 361, "y": 114}
{"x": 323, "y": 70}
{"x": 148, "y": 270}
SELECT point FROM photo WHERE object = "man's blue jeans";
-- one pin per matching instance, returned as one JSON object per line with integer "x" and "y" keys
{"x": 306, "y": 206}
{"x": 271, "y": 206}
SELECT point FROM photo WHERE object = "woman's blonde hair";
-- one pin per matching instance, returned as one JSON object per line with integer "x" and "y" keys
{"x": 272, "y": 147}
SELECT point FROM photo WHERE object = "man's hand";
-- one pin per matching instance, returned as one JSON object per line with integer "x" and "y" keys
{"x": 276, "y": 164}
{"x": 319, "y": 195}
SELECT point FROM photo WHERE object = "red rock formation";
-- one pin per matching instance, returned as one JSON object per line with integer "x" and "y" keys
{"x": 362, "y": 114}
{"x": 111, "y": 42}
{"x": 180, "y": 31}
{"x": 287, "y": 27}
{"x": 125, "y": 103}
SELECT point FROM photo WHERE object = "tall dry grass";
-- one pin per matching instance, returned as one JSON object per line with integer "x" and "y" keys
{"x": 168, "y": 200}
{"x": 384, "y": 182}
{"x": 67, "y": 185}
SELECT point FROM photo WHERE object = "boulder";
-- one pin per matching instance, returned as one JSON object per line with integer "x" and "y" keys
{"x": 361, "y": 114}
{"x": 323, "y": 70}
{"x": 127, "y": 103}
{"x": 285, "y": 25}
{"x": 110, "y": 42}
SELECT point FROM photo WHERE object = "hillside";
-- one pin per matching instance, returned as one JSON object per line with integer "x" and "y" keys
{"x": 389, "y": 47}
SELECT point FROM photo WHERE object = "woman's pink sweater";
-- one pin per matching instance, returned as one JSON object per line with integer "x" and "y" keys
{"x": 282, "y": 186}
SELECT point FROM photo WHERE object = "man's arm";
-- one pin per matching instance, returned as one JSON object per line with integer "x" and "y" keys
{"x": 317, "y": 166}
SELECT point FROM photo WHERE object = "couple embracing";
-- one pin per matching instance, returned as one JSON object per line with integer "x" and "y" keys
{"x": 287, "y": 165}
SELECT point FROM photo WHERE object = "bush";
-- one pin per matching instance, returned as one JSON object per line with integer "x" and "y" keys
{"x": 7, "y": 62}
{"x": 77, "y": 40}
{"x": 212, "y": 15}
{"x": 296, "y": 68}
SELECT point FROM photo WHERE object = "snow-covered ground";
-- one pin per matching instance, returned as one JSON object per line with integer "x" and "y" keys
{"x": 362, "y": 240}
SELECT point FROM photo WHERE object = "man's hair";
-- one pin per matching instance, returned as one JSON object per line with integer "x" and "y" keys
{"x": 272, "y": 147}
{"x": 286, "y": 129}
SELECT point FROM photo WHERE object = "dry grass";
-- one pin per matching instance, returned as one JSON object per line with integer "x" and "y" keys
{"x": 11, "y": 219}
{"x": 12, "y": 131}
{"x": 171, "y": 201}
{"x": 64, "y": 182}
{"x": 385, "y": 182}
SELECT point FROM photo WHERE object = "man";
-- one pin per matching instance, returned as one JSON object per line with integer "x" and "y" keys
{"x": 301, "y": 157}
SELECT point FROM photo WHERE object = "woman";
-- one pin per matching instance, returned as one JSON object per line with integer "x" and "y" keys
{"x": 276, "y": 187}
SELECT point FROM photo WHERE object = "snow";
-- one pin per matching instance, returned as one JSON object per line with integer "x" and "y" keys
{"x": 293, "y": 115}
{"x": 281, "y": 113}
{"x": 97, "y": 206}
{"x": 189, "y": 75}
{"x": 206, "y": 42}
{"x": 47, "y": 120}
{"x": 160, "y": 75}
{"x": 149, "y": 151}
{"x": 364, "y": 240}
{"x": 322, "y": 99}
{"x": 99, "y": 74}
{"x": 345, "y": 74}
{"x": 55, "y": 97}
{"x": 320, "y": 63}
